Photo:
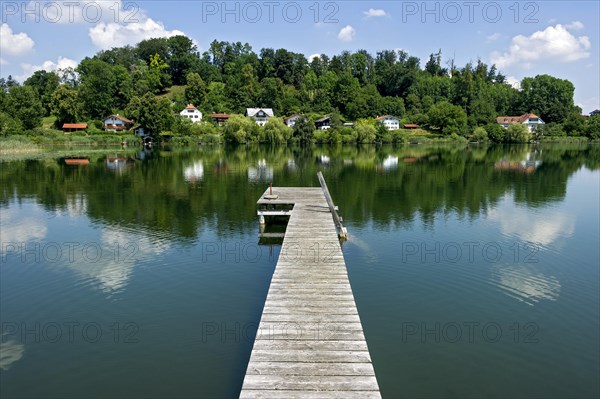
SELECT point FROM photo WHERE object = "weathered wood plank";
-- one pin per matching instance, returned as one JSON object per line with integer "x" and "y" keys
{"x": 310, "y": 342}
{"x": 358, "y": 345}
{"x": 305, "y": 394}
{"x": 323, "y": 383}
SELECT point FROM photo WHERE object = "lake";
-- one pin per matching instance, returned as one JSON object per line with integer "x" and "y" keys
{"x": 475, "y": 269}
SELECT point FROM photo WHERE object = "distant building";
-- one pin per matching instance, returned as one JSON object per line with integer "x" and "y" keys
{"x": 389, "y": 122}
{"x": 74, "y": 127}
{"x": 117, "y": 123}
{"x": 191, "y": 113}
{"x": 411, "y": 126}
{"x": 532, "y": 121}
{"x": 324, "y": 123}
{"x": 290, "y": 121}
{"x": 260, "y": 115}
{"x": 219, "y": 119}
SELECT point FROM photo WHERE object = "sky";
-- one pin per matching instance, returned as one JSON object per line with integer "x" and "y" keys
{"x": 523, "y": 39}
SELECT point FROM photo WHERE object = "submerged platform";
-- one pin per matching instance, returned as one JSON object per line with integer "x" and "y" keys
{"x": 310, "y": 341}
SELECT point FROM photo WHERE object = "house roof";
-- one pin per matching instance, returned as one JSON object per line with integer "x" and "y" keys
{"x": 515, "y": 119}
{"x": 323, "y": 119}
{"x": 75, "y": 126}
{"x": 119, "y": 117}
{"x": 222, "y": 116}
{"x": 254, "y": 111}
{"x": 411, "y": 125}
{"x": 291, "y": 116}
{"x": 190, "y": 106}
{"x": 379, "y": 118}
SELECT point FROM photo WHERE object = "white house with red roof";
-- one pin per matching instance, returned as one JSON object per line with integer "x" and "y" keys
{"x": 389, "y": 122}
{"x": 191, "y": 113}
{"x": 532, "y": 121}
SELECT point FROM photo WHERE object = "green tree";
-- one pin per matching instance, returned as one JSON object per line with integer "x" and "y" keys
{"x": 23, "y": 104}
{"x": 155, "y": 115}
{"x": 239, "y": 129}
{"x": 552, "y": 130}
{"x": 447, "y": 117}
{"x": 365, "y": 131}
{"x": 98, "y": 88}
{"x": 195, "y": 92}
{"x": 574, "y": 123}
{"x": 9, "y": 125}
{"x": 44, "y": 83}
{"x": 496, "y": 133}
{"x": 480, "y": 135}
{"x": 158, "y": 77}
{"x": 66, "y": 105}
{"x": 275, "y": 132}
{"x": 518, "y": 133}
{"x": 303, "y": 130}
{"x": 183, "y": 57}
{"x": 592, "y": 129}
{"x": 550, "y": 97}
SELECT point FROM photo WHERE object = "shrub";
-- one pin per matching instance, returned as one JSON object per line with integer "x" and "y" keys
{"x": 480, "y": 135}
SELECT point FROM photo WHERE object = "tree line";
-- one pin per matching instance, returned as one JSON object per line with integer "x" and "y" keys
{"x": 139, "y": 82}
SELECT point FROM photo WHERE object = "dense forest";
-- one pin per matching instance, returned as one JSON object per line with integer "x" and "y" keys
{"x": 153, "y": 81}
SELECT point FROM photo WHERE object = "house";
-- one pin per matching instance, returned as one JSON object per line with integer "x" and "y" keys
{"x": 532, "y": 121}
{"x": 191, "y": 113}
{"x": 117, "y": 123}
{"x": 348, "y": 124}
{"x": 219, "y": 119}
{"x": 389, "y": 122}
{"x": 74, "y": 127}
{"x": 411, "y": 126}
{"x": 290, "y": 121}
{"x": 139, "y": 131}
{"x": 260, "y": 115}
{"x": 324, "y": 123}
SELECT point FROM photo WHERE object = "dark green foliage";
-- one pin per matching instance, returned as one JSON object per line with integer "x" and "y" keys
{"x": 230, "y": 77}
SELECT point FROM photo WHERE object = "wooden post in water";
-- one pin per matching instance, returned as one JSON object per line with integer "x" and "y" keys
{"x": 342, "y": 232}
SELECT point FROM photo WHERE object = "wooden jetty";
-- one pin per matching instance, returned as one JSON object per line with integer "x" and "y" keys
{"x": 310, "y": 342}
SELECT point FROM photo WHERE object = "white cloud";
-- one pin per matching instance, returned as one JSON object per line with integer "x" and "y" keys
{"x": 373, "y": 12}
{"x": 535, "y": 228}
{"x": 14, "y": 43}
{"x": 494, "y": 37}
{"x": 17, "y": 228}
{"x": 61, "y": 63}
{"x": 555, "y": 43}
{"x": 347, "y": 33}
{"x": 575, "y": 25}
{"x": 108, "y": 35}
{"x": 514, "y": 82}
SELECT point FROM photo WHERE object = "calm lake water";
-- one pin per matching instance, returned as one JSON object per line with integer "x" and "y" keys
{"x": 475, "y": 269}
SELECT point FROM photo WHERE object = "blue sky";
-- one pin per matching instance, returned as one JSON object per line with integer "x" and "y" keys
{"x": 523, "y": 39}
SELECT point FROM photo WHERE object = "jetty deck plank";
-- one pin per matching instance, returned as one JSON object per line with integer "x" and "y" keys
{"x": 310, "y": 342}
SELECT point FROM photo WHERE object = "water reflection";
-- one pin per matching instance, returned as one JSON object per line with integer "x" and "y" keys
{"x": 19, "y": 227}
{"x": 109, "y": 264}
{"x": 527, "y": 226}
{"x": 528, "y": 164}
{"x": 525, "y": 284}
{"x": 10, "y": 352}
{"x": 261, "y": 172}
{"x": 195, "y": 172}
{"x": 389, "y": 163}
